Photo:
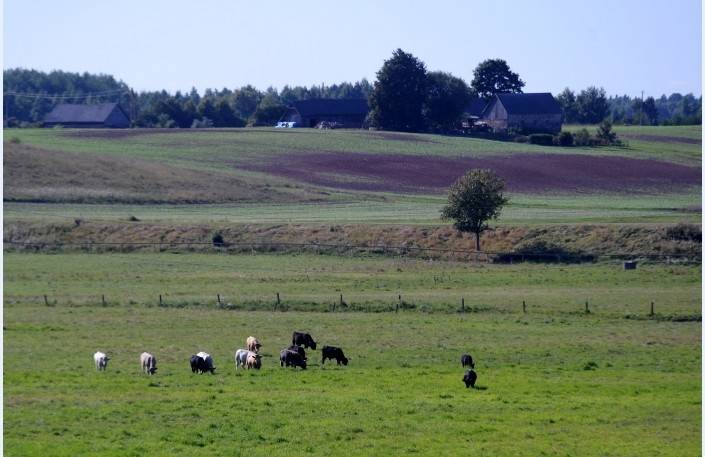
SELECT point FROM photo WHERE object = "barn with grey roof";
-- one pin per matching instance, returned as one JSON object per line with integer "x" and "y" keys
{"x": 346, "y": 112}
{"x": 527, "y": 113}
{"x": 101, "y": 115}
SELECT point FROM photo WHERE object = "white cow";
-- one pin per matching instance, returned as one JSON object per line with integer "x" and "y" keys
{"x": 101, "y": 360}
{"x": 148, "y": 363}
{"x": 241, "y": 357}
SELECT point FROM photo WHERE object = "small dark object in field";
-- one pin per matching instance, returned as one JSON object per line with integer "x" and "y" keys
{"x": 332, "y": 352}
{"x": 466, "y": 361}
{"x": 630, "y": 265}
{"x": 77, "y": 221}
{"x": 470, "y": 378}
{"x": 133, "y": 219}
{"x": 218, "y": 240}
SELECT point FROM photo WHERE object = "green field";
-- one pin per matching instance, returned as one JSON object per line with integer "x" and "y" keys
{"x": 553, "y": 381}
{"x": 157, "y": 176}
{"x": 311, "y": 282}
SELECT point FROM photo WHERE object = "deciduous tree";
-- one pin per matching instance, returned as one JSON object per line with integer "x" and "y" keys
{"x": 473, "y": 200}
{"x": 493, "y": 76}
{"x": 399, "y": 94}
{"x": 446, "y": 100}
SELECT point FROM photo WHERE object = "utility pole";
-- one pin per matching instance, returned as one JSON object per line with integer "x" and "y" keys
{"x": 641, "y": 109}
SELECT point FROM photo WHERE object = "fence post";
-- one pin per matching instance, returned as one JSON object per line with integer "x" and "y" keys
{"x": 160, "y": 299}
{"x": 341, "y": 300}
{"x": 587, "y": 309}
{"x": 523, "y": 305}
{"x": 46, "y": 300}
{"x": 102, "y": 297}
{"x": 652, "y": 309}
{"x": 219, "y": 299}
{"x": 462, "y": 304}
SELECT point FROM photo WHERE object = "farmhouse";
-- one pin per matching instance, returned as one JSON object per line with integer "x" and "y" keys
{"x": 348, "y": 113}
{"x": 102, "y": 115}
{"x": 537, "y": 112}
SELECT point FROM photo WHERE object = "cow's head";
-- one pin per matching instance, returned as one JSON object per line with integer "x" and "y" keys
{"x": 312, "y": 343}
{"x": 345, "y": 361}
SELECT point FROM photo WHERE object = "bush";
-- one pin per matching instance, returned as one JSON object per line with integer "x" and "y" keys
{"x": 204, "y": 123}
{"x": 605, "y": 133}
{"x": 521, "y": 139}
{"x": 218, "y": 240}
{"x": 565, "y": 139}
{"x": 15, "y": 140}
{"x": 545, "y": 139}
{"x": 582, "y": 138}
{"x": 685, "y": 232}
{"x": 544, "y": 252}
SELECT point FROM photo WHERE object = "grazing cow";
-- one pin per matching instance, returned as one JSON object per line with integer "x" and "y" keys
{"x": 101, "y": 361}
{"x": 303, "y": 339}
{"x": 194, "y": 363}
{"x": 298, "y": 349}
{"x": 331, "y": 352}
{"x": 242, "y": 356}
{"x": 470, "y": 378}
{"x": 201, "y": 363}
{"x": 253, "y": 361}
{"x": 291, "y": 358}
{"x": 466, "y": 361}
{"x": 253, "y": 344}
{"x": 148, "y": 363}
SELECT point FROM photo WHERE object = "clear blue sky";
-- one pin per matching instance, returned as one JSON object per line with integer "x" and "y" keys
{"x": 623, "y": 45}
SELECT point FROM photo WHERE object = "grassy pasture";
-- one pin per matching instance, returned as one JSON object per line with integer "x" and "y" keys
{"x": 391, "y": 209}
{"x": 554, "y": 381}
{"x": 314, "y": 282}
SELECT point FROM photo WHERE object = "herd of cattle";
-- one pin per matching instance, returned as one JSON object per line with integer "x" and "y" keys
{"x": 292, "y": 356}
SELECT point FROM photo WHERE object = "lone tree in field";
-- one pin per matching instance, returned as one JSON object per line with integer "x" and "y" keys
{"x": 474, "y": 199}
{"x": 493, "y": 76}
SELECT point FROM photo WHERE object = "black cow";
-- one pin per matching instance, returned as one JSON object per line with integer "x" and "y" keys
{"x": 194, "y": 363}
{"x": 202, "y": 364}
{"x": 331, "y": 352}
{"x": 298, "y": 349}
{"x": 466, "y": 361}
{"x": 470, "y": 378}
{"x": 291, "y": 358}
{"x": 303, "y": 339}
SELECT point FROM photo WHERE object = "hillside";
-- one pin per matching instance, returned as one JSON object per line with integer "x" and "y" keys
{"x": 168, "y": 179}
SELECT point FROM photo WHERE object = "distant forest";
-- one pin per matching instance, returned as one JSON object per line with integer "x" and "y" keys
{"x": 29, "y": 95}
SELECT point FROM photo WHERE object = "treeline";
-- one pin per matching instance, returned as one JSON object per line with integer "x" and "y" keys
{"x": 591, "y": 106}
{"x": 29, "y": 95}
{"x": 405, "y": 96}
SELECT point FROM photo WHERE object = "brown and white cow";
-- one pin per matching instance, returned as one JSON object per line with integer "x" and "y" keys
{"x": 253, "y": 344}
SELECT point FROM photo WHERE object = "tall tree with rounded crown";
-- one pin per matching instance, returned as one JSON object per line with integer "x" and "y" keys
{"x": 399, "y": 94}
{"x": 493, "y": 76}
